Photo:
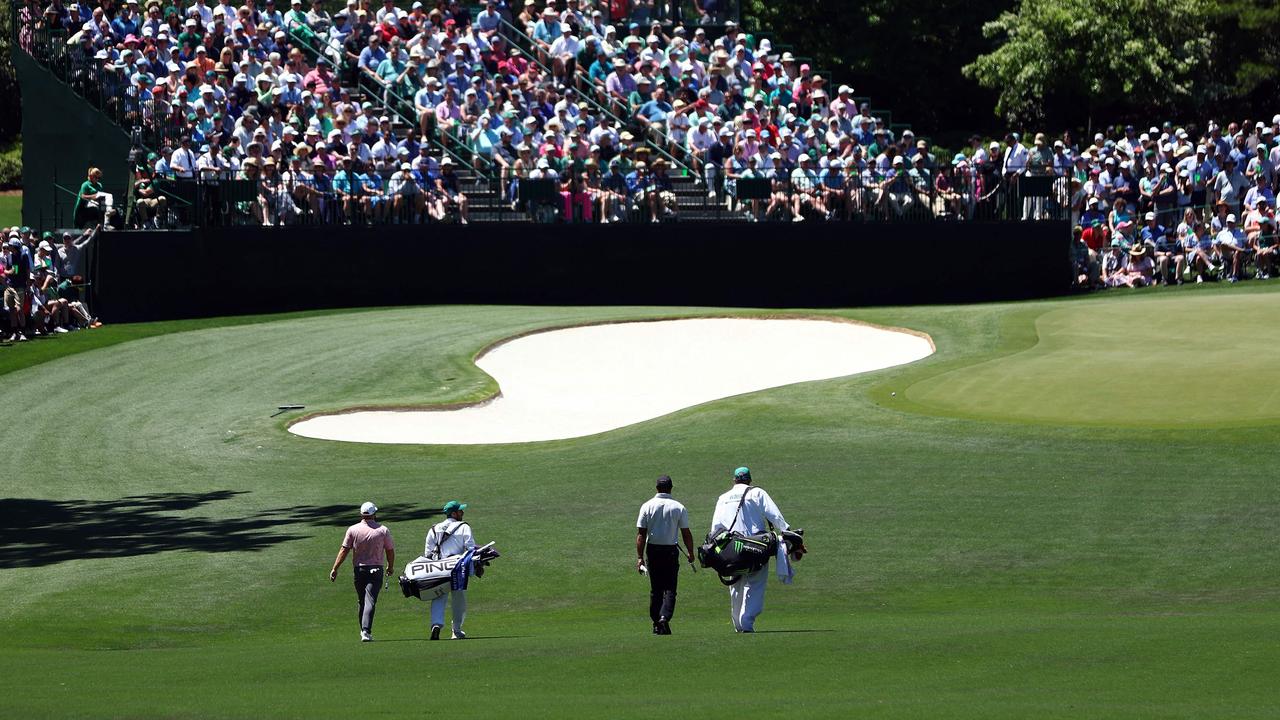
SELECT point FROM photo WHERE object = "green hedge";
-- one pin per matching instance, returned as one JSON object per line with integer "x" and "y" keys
{"x": 11, "y": 166}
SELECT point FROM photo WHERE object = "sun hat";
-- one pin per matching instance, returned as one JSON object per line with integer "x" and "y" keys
{"x": 1138, "y": 250}
{"x": 368, "y": 508}
{"x": 454, "y": 506}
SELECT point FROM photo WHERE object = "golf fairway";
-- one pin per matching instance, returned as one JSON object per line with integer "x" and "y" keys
{"x": 980, "y": 549}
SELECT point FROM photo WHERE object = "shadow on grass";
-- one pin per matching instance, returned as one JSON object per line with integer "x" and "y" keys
{"x": 470, "y": 637}
{"x": 34, "y": 533}
{"x": 761, "y": 632}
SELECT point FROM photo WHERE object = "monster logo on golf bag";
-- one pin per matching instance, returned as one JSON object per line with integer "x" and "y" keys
{"x": 733, "y": 555}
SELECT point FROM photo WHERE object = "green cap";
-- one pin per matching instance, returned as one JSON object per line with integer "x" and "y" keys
{"x": 25, "y": 229}
{"x": 46, "y": 235}
{"x": 453, "y": 506}
{"x": 742, "y": 472}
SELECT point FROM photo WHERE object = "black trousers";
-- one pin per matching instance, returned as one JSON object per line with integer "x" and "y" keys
{"x": 368, "y": 585}
{"x": 664, "y": 571}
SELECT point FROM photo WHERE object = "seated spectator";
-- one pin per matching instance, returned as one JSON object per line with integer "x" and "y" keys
{"x": 1114, "y": 266}
{"x": 149, "y": 203}
{"x": 1233, "y": 248}
{"x": 805, "y": 190}
{"x": 661, "y": 194}
{"x": 1264, "y": 248}
{"x": 93, "y": 205}
{"x": 613, "y": 193}
{"x": 1201, "y": 251}
{"x": 1140, "y": 268}
{"x": 448, "y": 187}
{"x": 408, "y": 198}
{"x": 1167, "y": 250}
{"x": 576, "y": 197}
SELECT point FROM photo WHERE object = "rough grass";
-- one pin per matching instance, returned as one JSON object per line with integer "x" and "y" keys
{"x": 166, "y": 542}
{"x": 10, "y": 210}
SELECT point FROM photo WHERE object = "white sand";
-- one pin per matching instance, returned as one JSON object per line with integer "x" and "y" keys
{"x": 587, "y": 380}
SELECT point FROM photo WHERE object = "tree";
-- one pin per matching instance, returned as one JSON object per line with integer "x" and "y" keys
{"x": 1247, "y": 65}
{"x": 1075, "y": 59}
{"x": 906, "y": 55}
{"x": 11, "y": 108}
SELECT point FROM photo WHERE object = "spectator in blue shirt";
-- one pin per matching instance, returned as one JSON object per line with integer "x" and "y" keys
{"x": 656, "y": 109}
{"x": 372, "y": 56}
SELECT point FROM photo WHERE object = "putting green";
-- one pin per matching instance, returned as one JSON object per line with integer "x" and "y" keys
{"x": 1191, "y": 360}
{"x": 165, "y": 542}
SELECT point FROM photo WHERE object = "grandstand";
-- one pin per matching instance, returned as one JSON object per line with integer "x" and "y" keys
{"x": 528, "y": 104}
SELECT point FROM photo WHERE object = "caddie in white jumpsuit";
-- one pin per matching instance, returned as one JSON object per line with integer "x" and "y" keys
{"x": 446, "y": 538}
{"x": 746, "y": 596}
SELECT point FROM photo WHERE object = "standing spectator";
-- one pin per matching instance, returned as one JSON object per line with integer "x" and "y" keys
{"x": 1229, "y": 186}
{"x": 662, "y": 521}
{"x": 370, "y": 541}
{"x": 71, "y": 263}
{"x": 17, "y": 277}
{"x": 1260, "y": 192}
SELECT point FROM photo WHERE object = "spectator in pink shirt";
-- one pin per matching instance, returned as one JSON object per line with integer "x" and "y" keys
{"x": 369, "y": 541}
{"x": 449, "y": 113}
{"x": 321, "y": 80}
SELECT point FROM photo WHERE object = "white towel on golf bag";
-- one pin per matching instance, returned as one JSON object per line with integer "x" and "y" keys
{"x": 786, "y": 573}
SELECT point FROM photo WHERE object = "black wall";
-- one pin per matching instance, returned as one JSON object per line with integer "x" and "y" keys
{"x": 226, "y": 271}
{"x": 62, "y": 137}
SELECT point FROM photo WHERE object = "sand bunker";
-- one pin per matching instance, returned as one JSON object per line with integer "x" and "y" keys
{"x": 586, "y": 380}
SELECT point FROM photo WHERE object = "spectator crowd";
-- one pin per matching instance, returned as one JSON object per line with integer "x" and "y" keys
{"x": 44, "y": 277}
{"x": 379, "y": 113}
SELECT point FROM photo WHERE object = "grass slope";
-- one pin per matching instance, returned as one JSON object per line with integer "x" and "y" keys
{"x": 167, "y": 543}
{"x": 10, "y": 210}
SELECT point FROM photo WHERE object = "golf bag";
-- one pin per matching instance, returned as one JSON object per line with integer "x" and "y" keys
{"x": 734, "y": 555}
{"x": 427, "y": 578}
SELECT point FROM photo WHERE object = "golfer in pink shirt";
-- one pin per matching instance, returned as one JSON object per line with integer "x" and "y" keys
{"x": 370, "y": 541}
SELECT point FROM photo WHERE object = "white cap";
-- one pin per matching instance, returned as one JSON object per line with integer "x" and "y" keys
{"x": 368, "y": 508}
{"x": 1231, "y": 217}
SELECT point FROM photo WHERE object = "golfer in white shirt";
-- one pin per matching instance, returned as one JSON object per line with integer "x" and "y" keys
{"x": 746, "y": 596}
{"x": 661, "y": 518}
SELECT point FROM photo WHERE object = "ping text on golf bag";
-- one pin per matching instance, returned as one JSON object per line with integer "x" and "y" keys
{"x": 428, "y": 578}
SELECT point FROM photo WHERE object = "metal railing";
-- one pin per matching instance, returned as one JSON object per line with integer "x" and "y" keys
{"x": 599, "y": 103}
{"x": 669, "y": 12}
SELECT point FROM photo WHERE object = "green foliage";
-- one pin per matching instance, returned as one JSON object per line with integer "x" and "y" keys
{"x": 10, "y": 105}
{"x": 1074, "y": 58}
{"x": 1248, "y": 66}
{"x": 11, "y": 166}
{"x": 906, "y": 55}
